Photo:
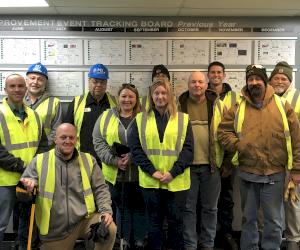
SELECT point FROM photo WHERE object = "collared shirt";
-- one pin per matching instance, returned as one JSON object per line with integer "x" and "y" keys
{"x": 18, "y": 112}
{"x": 92, "y": 111}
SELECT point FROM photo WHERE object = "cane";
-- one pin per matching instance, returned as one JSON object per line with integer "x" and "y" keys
{"x": 31, "y": 219}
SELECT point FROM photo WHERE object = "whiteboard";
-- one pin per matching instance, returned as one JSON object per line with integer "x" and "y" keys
{"x": 65, "y": 83}
{"x": 146, "y": 52}
{"x": 236, "y": 80}
{"x": 3, "y": 76}
{"x": 62, "y": 51}
{"x": 141, "y": 80}
{"x": 108, "y": 52}
{"x": 180, "y": 82}
{"x": 233, "y": 52}
{"x": 270, "y": 52}
{"x": 19, "y": 51}
{"x": 184, "y": 52}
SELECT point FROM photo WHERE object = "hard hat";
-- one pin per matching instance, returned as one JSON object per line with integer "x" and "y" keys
{"x": 38, "y": 68}
{"x": 98, "y": 71}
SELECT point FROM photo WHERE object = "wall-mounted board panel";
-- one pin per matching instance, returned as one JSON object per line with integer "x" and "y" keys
{"x": 19, "y": 51}
{"x": 146, "y": 52}
{"x": 235, "y": 52}
{"x": 106, "y": 51}
{"x": 187, "y": 52}
{"x": 62, "y": 51}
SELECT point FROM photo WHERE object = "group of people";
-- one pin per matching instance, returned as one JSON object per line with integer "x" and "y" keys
{"x": 164, "y": 165}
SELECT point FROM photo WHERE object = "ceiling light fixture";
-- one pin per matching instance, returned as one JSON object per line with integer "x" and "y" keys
{"x": 23, "y": 3}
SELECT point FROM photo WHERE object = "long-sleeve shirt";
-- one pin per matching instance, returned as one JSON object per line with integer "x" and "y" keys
{"x": 140, "y": 158}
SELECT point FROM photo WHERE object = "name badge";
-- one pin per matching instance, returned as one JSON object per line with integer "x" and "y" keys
{"x": 87, "y": 109}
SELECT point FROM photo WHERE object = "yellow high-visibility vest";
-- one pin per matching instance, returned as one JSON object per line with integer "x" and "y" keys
{"x": 20, "y": 138}
{"x": 79, "y": 105}
{"x": 109, "y": 128}
{"x": 163, "y": 155}
{"x": 47, "y": 112}
{"x": 239, "y": 120}
{"x": 45, "y": 165}
{"x": 230, "y": 99}
{"x": 216, "y": 119}
{"x": 293, "y": 97}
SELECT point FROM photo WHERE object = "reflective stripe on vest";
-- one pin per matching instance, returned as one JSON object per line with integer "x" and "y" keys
{"x": 293, "y": 97}
{"x": 109, "y": 128}
{"x": 238, "y": 123}
{"x": 230, "y": 99}
{"x": 79, "y": 106}
{"x": 216, "y": 119}
{"x": 45, "y": 165}
{"x": 163, "y": 155}
{"x": 47, "y": 112}
{"x": 20, "y": 138}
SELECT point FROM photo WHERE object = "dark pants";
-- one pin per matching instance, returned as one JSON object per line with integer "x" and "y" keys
{"x": 225, "y": 206}
{"x": 161, "y": 203}
{"x": 130, "y": 214}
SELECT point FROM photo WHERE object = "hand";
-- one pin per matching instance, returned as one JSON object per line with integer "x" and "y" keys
{"x": 28, "y": 183}
{"x": 120, "y": 163}
{"x": 166, "y": 178}
{"x": 157, "y": 175}
{"x": 107, "y": 219}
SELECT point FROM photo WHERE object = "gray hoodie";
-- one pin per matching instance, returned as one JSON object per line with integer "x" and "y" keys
{"x": 68, "y": 207}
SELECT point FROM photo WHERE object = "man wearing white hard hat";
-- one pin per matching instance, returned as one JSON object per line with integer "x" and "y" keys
{"x": 84, "y": 110}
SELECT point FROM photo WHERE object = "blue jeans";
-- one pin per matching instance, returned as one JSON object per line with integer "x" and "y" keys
{"x": 270, "y": 198}
{"x": 161, "y": 202}
{"x": 7, "y": 202}
{"x": 205, "y": 188}
{"x": 131, "y": 218}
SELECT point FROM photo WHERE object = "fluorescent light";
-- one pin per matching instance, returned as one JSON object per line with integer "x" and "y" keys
{"x": 23, "y": 3}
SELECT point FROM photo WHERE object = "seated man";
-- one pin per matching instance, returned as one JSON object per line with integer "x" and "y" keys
{"x": 72, "y": 194}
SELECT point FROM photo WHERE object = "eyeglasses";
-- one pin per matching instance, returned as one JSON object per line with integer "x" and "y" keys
{"x": 257, "y": 66}
{"x": 124, "y": 85}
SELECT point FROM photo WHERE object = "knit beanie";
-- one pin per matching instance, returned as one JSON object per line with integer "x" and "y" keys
{"x": 283, "y": 68}
{"x": 258, "y": 70}
{"x": 160, "y": 69}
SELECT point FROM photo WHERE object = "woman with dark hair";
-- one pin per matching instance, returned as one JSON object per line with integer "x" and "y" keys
{"x": 110, "y": 142}
{"x": 161, "y": 143}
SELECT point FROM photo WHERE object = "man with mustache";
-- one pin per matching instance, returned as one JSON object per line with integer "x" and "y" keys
{"x": 281, "y": 79}
{"x": 263, "y": 133}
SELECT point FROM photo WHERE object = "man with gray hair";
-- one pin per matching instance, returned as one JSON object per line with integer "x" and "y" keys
{"x": 281, "y": 79}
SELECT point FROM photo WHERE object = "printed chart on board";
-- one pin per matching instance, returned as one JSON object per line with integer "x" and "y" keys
{"x": 237, "y": 80}
{"x": 116, "y": 79}
{"x": 19, "y": 51}
{"x": 185, "y": 52}
{"x": 62, "y": 51}
{"x": 146, "y": 52}
{"x": 180, "y": 82}
{"x": 233, "y": 52}
{"x": 3, "y": 76}
{"x": 65, "y": 83}
{"x": 270, "y": 52}
{"x": 141, "y": 80}
{"x": 107, "y": 52}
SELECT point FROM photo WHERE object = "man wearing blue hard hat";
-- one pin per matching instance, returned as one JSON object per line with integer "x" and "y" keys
{"x": 84, "y": 110}
{"x": 48, "y": 107}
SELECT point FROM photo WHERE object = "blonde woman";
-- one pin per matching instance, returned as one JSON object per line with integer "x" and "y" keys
{"x": 161, "y": 143}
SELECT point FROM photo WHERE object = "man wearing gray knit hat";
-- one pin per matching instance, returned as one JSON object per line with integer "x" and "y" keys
{"x": 280, "y": 79}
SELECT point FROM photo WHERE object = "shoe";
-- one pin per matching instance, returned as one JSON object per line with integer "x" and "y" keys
{"x": 292, "y": 245}
{"x": 230, "y": 243}
{"x": 139, "y": 245}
